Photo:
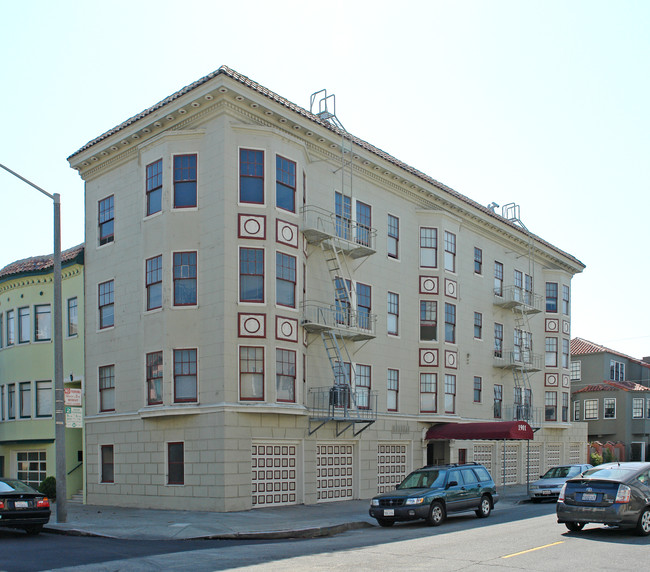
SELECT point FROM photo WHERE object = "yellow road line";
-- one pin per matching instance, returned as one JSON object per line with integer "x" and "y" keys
{"x": 533, "y": 549}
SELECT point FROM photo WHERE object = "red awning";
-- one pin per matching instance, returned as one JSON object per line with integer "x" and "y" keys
{"x": 490, "y": 430}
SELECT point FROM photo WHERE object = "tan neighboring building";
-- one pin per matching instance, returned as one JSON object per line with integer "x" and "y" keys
{"x": 278, "y": 312}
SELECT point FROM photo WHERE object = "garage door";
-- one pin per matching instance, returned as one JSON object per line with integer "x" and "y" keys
{"x": 391, "y": 466}
{"x": 334, "y": 472}
{"x": 274, "y": 480}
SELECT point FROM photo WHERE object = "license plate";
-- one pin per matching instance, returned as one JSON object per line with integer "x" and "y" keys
{"x": 389, "y": 512}
{"x": 21, "y": 504}
{"x": 546, "y": 492}
{"x": 589, "y": 496}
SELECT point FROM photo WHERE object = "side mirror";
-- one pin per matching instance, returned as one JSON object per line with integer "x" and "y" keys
{"x": 452, "y": 484}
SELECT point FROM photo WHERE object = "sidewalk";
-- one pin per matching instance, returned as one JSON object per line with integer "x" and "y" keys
{"x": 295, "y": 521}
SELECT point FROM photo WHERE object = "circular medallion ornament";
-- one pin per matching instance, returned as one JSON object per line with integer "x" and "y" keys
{"x": 252, "y": 226}
{"x": 429, "y": 285}
{"x": 287, "y": 329}
{"x": 287, "y": 233}
{"x": 252, "y": 325}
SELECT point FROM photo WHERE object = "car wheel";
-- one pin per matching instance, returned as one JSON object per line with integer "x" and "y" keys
{"x": 643, "y": 526}
{"x": 34, "y": 529}
{"x": 484, "y": 508}
{"x": 436, "y": 514}
{"x": 575, "y": 526}
{"x": 384, "y": 522}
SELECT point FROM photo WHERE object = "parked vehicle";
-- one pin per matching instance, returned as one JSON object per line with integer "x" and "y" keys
{"x": 615, "y": 494}
{"x": 433, "y": 492}
{"x": 22, "y": 507}
{"x": 549, "y": 484}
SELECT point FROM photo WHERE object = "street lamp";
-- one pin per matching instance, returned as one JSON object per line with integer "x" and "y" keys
{"x": 59, "y": 402}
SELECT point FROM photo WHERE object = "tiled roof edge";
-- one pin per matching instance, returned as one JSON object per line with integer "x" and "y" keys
{"x": 580, "y": 346}
{"x": 41, "y": 264}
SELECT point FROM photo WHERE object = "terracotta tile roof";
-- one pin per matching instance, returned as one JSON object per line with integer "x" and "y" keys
{"x": 40, "y": 263}
{"x": 613, "y": 386}
{"x": 580, "y": 346}
{"x": 315, "y": 118}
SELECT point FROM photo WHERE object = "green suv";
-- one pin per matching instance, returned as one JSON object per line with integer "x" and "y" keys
{"x": 431, "y": 493}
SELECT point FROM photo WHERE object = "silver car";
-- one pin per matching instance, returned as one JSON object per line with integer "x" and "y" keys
{"x": 550, "y": 483}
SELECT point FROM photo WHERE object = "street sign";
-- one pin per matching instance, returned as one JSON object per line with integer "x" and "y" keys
{"x": 73, "y": 417}
{"x": 72, "y": 396}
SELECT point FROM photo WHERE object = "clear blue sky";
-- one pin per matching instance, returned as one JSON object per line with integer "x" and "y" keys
{"x": 542, "y": 103}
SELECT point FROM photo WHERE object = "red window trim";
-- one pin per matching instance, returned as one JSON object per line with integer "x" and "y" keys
{"x": 196, "y": 374}
{"x": 263, "y": 372}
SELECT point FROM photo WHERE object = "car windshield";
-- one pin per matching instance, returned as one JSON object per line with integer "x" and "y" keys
{"x": 613, "y": 473}
{"x": 423, "y": 480}
{"x": 561, "y": 472}
{"x": 12, "y": 485}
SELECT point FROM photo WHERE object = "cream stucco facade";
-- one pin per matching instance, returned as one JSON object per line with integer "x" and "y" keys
{"x": 211, "y": 289}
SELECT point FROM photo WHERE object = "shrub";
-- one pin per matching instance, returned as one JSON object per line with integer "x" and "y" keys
{"x": 48, "y": 487}
{"x": 608, "y": 456}
{"x": 596, "y": 459}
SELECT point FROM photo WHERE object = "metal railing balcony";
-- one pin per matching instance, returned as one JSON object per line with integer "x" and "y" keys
{"x": 323, "y": 226}
{"x": 342, "y": 403}
{"x": 352, "y": 324}
{"x": 514, "y": 296}
{"x": 518, "y": 358}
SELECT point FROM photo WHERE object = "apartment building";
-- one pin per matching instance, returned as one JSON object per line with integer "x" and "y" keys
{"x": 611, "y": 393}
{"x": 27, "y": 433}
{"x": 278, "y": 312}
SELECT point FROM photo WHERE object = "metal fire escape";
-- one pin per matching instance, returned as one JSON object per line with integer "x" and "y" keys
{"x": 340, "y": 238}
{"x": 524, "y": 303}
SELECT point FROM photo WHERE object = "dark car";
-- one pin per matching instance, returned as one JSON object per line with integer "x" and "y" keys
{"x": 433, "y": 492}
{"x": 615, "y": 494}
{"x": 22, "y": 507}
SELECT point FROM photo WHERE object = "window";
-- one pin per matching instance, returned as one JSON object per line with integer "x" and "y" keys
{"x": 565, "y": 353}
{"x": 565, "y": 407}
{"x": 450, "y": 251}
{"x": 637, "y": 407}
{"x": 591, "y": 409}
{"x": 565, "y": 299}
{"x": 107, "y": 475}
{"x": 550, "y": 409}
{"x": 153, "y": 282}
{"x": 251, "y": 373}
{"x": 478, "y": 325}
{"x": 393, "y": 237}
{"x": 528, "y": 288}
{"x": 498, "y": 279}
{"x": 185, "y": 279}
{"x": 518, "y": 342}
{"x": 2, "y": 402}
{"x": 341, "y": 297}
{"x": 11, "y": 332}
{"x": 31, "y": 467}
{"x": 285, "y": 374}
{"x": 363, "y": 305}
{"x": 73, "y": 317}
{"x": 251, "y": 176}
{"x": 551, "y": 296}
{"x": 576, "y": 411}
{"x": 184, "y": 181}
{"x": 364, "y": 223}
{"x": 42, "y": 323}
{"x": 175, "y": 463}
{"x": 498, "y": 401}
{"x": 106, "y": 305}
{"x": 519, "y": 286}
{"x": 11, "y": 401}
{"x": 609, "y": 408}
{"x": 428, "y": 320}
{"x": 576, "y": 370}
{"x": 343, "y": 211}
{"x": 185, "y": 376}
{"x": 392, "y": 387}
{"x": 551, "y": 352}
{"x": 393, "y": 314}
{"x": 478, "y": 388}
{"x": 44, "y": 399}
{"x": 1, "y": 329}
{"x": 154, "y": 367}
{"x": 428, "y": 247}
{"x": 616, "y": 370}
{"x": 251, "y": 275}
{"x": 285, "y": 184}
{"x": 428, "y": 392}
{"x": 154, "y": 187}
{"x": 362, "y": 382}
{"x": 450, "y": 393}
{"x": 450, "y": 323}
{"x": 23, "y": 325}
{"x": 478, "y": 260}
{"x": 498, "y": 340}
{"x": 107, "y": 388}
{"x": 647, "y": 408}
{"x": 106, "y": 220}
{"x": 285, "y": 281}
{"x": 25, "y": 399}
